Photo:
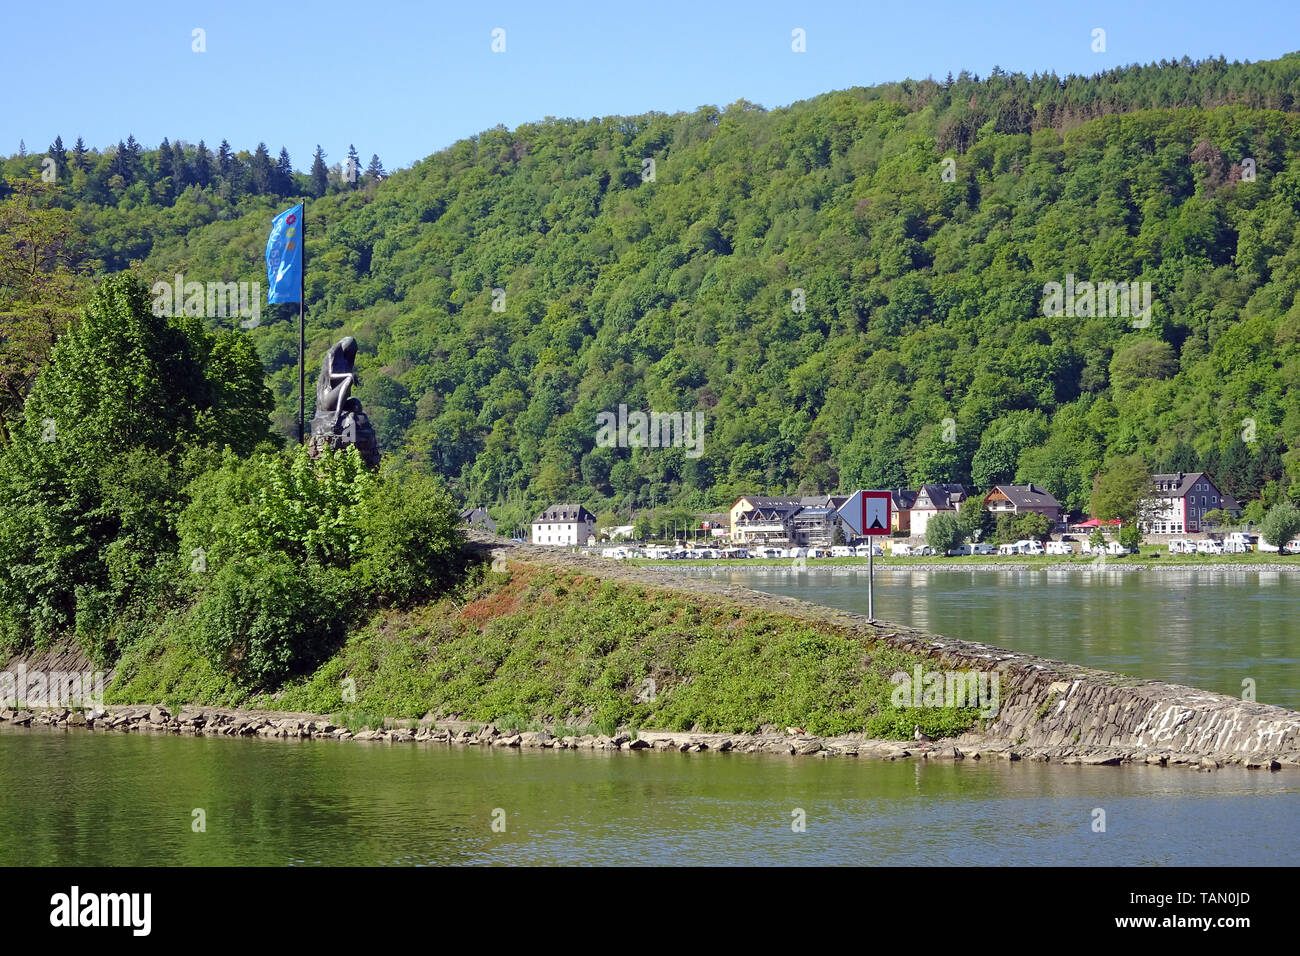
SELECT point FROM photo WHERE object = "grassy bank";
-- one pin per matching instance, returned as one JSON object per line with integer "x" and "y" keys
{"x": 546, "y": 643}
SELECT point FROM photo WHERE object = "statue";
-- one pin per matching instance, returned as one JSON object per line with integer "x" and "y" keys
{"x": 339, "y": 420}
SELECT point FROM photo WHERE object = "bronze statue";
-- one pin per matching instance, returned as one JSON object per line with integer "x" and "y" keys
{"x": 337, "y": 376}
{"x": 339, "y": 420}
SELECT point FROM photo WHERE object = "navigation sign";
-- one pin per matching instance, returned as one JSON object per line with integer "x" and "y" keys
{"x": 868, "y": 512}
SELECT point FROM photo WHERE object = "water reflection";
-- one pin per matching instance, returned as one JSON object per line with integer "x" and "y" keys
{"x": 1208, "y": 629}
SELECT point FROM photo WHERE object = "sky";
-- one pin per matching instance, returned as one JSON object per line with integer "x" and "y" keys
{"x": 406, "y": 79}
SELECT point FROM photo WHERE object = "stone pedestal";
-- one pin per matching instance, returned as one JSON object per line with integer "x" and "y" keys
{"x": 353, "y": 428}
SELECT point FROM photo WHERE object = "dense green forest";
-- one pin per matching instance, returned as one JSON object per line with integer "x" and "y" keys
{"x": 845, "y": 308}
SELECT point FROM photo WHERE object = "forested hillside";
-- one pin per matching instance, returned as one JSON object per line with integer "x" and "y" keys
{"x": 921, "y": 352}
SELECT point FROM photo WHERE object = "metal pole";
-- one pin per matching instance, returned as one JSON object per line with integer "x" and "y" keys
{"x": 871, "y": 582}
{"x": 302, "y": 331}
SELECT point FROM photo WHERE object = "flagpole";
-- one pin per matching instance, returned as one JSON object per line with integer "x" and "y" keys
{"x": 302, "y": 333}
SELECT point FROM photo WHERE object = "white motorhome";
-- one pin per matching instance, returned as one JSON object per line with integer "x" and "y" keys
{"x": 900, "y": 550}
{"x": 1058, "y": 547}
{"x": 1180, "y": 546}
{"x": 843, "y": 551}
{"x": 1028, "y": 546}
{"x": 1206, "y": 546}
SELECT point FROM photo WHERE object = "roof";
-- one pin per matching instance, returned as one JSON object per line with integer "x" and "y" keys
{"x": 901, "y": 499}
{"x": 1180, "y": 484}
{"x": 1027, "y": 496}
{"x": 943, "y": 496}
{"x": 763, "y": 502}
{"x": 564, "y": 514}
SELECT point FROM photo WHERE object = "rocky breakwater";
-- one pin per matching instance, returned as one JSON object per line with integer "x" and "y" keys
{"x": 1047, "y": 709}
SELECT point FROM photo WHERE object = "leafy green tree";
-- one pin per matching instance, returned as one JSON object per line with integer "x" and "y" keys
{"x": 1281, "y": 524}
{"x": 1031, "y": 524}
{"x": 41, "y": 260}
{"x": 1215, "y": 518}
{"x": 1122, "y": 489}
{"x": 976, "y": 521}
{"x": 91, "y": 483}
{"x": 1130, "y": 535}
{"x": 943, "y": 532}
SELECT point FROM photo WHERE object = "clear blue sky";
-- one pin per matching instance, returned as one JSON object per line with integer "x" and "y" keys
{"x": 405, "y": 79}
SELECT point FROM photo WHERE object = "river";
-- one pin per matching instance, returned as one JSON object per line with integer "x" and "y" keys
{"x": 73, "y": 797}
{"x": 1211, "y": 629}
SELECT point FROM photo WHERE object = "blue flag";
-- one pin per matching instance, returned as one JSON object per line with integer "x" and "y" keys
{"x": 284, "y": 257}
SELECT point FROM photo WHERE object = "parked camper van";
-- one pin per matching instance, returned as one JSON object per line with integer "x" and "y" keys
{"x": 1179, "y": 546}
{"x": 842, "y": 551}
{"x": 1206, "y": 546}
{"x": 978, "y": 548}
{"x": 1027, "y": 546}
{"x": 1058, "y": 547}
{"x": 900, "y": 550}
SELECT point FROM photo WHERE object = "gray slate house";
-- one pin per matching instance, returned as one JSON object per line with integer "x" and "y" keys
{"x": 479, "y": 518}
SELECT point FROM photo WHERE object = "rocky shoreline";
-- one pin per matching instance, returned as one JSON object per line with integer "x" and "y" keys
{"x": 213, "y": 722}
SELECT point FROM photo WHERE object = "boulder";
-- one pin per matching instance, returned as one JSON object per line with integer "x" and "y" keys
{"x": 159, "y": 715}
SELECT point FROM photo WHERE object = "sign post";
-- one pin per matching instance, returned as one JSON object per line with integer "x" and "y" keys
{"x": 867, "y": 513}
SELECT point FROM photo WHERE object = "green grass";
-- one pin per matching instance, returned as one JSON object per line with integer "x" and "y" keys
{"x": 548, "y": 649}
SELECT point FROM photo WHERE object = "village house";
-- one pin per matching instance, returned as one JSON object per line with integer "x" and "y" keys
{"x": 564, "y": 525}
{"x": 1180, "y": 501}
{"x": 1020, "y": 499}
{"x": 749, "y": 505}
{"x": 930, "y": 500}
{"x": 479, "y": 518}
{"x": 809, "y": 521}
{"x": 900, "y": 510}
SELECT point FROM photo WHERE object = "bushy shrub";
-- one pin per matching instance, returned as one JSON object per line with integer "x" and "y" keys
{"x": 263, "y": 617}
{"x": 293, "y": 549}
{"x": 411, "y": 540}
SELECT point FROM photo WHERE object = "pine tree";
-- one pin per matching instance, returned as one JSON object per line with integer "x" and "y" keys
{"x": 262, "y": 171}
{"x": 223, "y": 158}
{"x": 352, "y": 168}
{"x": 165, "y": 163}
{"x": 284, "y": 174}
{"x": 59, "y": 155}
{"x": 319, "y": 174}
{"x": 121, "y": 163}
{"x": 180, "y": 168}
{"x": 202, "y": 166}
{"x": 79, "y": 154}
{"x": 22, "y": 148}
{"x": 375, "y": 171}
